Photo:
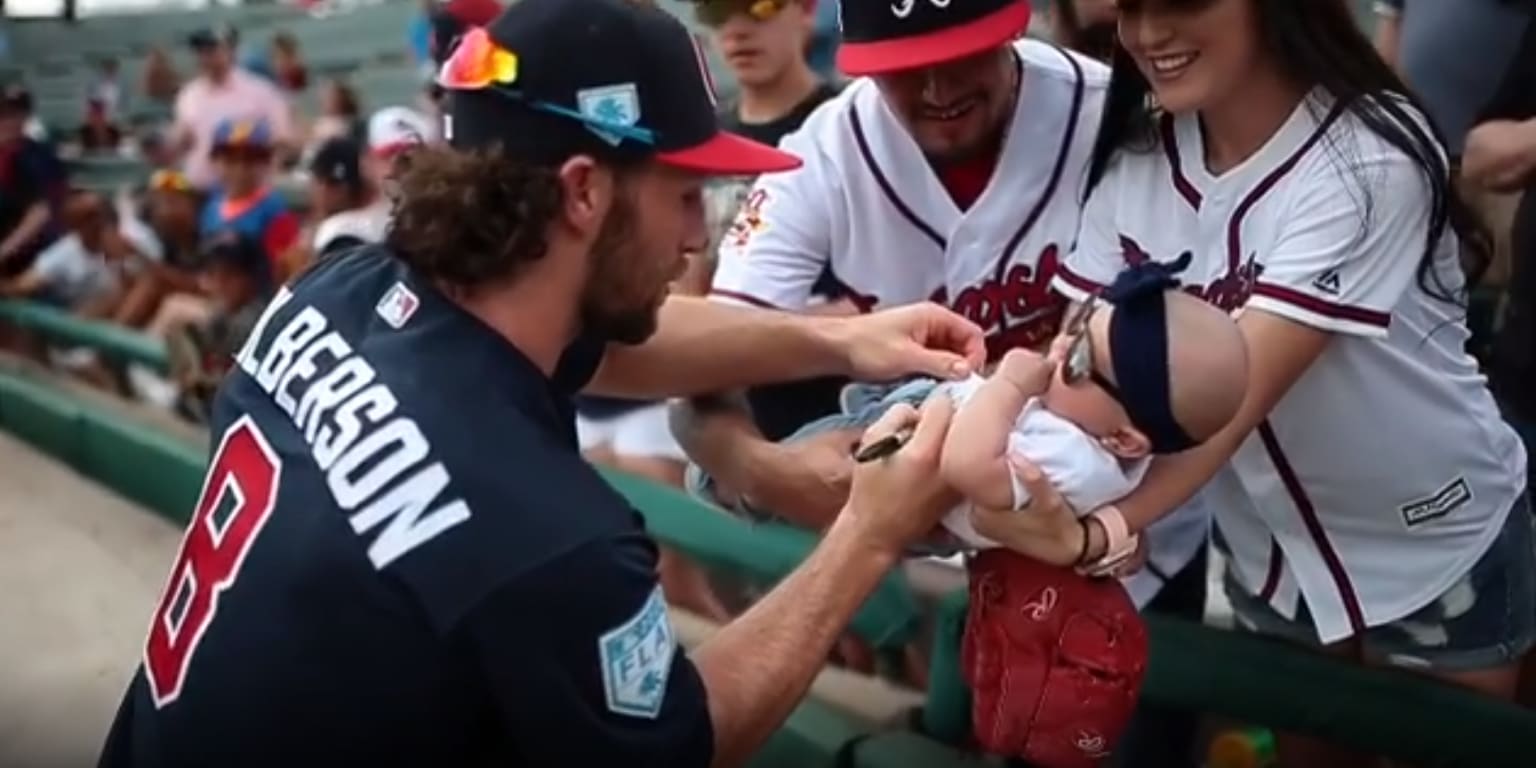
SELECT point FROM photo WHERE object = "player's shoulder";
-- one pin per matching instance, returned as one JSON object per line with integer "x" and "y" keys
{"x": 1053, "y": 62}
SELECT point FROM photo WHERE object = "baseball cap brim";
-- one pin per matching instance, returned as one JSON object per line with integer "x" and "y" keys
{"x": 726, "y": 154}
{"x": 880, "y": 56}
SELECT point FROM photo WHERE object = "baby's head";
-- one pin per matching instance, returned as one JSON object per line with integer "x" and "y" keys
{"x": 1135, "y": 400}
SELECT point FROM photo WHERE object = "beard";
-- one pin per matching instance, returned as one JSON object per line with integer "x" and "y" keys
{"x": 609, "y": 311}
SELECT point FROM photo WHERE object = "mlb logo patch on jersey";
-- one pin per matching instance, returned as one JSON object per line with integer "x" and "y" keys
{"x": 749, "y": 219}
{"x": 397, "y": 306}
{"x": 636, "y": 658}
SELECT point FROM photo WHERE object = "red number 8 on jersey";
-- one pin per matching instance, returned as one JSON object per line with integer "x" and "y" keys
{"x": 238, "y": 495}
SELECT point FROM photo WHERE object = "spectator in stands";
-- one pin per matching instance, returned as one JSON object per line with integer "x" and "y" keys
{"x": 153, "y": 146}
{"x": 33, "y": 183}
{"x": 245, "y": 201}
{"x": 1501, "y": 157}
{"x": 280, "y": 62}
{"x": 236, "y": 275}
{"x": 98, "y": 133}
{"x": 1452, "y": 52}
{"x": 90, "y": 268}
{"x": 106, "y": 90}
{"x": 159, "y": 81}
{"x": 221, "y": 92}
{"x": 341, "y": 115}
{"x": 340, "y": 199}
{"x": 172, "y": 207}
{"x": 418, "y": 37}
{"x": 1085, "y": 26}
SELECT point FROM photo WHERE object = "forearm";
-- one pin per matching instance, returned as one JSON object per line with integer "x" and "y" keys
{"x": 705, "y": 346}
{"x": 975, "y": 460}
{"x": 717, "y": 433}
{"x": 759, "y": 667}
{"x": 27, "y": 230}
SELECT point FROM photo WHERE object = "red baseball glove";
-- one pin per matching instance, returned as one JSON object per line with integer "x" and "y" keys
{"x": 1055, "y": 660}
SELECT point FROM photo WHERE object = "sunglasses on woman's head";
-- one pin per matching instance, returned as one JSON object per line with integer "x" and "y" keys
{"x": 714, "y": 13}
{"x": 1078, "y": 365}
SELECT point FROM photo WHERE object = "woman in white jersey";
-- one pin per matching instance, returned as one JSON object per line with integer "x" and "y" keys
{"x": 1368, "y": 496}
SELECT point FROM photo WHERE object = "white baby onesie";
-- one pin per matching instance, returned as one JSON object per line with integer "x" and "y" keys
{"x": 1086, "y": 473}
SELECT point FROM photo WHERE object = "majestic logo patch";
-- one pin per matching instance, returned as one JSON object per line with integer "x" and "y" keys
{"x": 1444, "y": 501}
{"x": 1327, "y": 282}
{"x": 397, "y": 305}
{"x": 636, "y": 658}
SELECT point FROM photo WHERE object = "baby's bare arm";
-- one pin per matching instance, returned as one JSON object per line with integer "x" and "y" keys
{"x": 975, "y": 460}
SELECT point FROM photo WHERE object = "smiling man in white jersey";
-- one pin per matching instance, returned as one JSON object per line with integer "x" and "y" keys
{"x": 1369, "y": 496}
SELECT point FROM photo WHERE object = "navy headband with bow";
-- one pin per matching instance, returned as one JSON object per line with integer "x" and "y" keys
{"x": 1138, "y": 347}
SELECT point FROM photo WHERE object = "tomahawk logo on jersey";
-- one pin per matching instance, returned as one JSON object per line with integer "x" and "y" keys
{"x": 1324, "y": 227}
{"x": 867, "y": 206}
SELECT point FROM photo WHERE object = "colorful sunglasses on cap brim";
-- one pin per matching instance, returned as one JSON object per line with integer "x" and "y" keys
{"x": 479, "y": 64}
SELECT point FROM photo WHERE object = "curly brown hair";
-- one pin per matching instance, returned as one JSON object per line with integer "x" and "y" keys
{"x": 468, "y": 217}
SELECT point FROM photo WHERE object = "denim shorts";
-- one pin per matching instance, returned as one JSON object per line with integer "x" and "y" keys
{"x": 1449, "y": 634}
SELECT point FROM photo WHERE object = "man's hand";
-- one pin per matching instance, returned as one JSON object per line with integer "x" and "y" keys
{"x": 897, "y": 500}
{"x": 919, "y": 338}
{"x": 805, "y": 482}
{"x": 1500, "y": 154}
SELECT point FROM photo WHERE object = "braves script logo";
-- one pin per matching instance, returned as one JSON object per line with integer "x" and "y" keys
{"x": 1020, "y": 310}
{"x": 1228, "y": 292}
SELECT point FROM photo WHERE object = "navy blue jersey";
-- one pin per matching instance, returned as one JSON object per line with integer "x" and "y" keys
{"x": 400, "y": 558}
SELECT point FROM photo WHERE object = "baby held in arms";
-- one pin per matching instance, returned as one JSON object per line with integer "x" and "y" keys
{"x": 1145, "y": 369}
{"x": 1054, "y": 657}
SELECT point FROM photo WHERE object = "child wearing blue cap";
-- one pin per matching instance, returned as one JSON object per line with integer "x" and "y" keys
{"x": 245, "y": 201}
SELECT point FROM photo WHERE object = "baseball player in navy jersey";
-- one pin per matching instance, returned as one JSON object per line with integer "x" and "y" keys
{"x": 399, "y": 556}
{"x": 1368, "y": 494}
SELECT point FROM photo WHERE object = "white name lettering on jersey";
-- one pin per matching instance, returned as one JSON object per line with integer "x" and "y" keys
{"x": 378, "y": 465}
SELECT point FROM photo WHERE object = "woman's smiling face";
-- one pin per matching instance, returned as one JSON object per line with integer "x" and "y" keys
{"x": 1194, "y": 53}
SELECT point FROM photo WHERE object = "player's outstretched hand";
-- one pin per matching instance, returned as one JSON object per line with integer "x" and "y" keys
{"x": 898, "y": 499}
{"x": 1045, "y": 529}
{"x": 915, "y": 339}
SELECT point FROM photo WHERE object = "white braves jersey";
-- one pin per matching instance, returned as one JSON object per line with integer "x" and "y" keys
{"x": 1385, "y": 471}
{"x": 868, "y": 207}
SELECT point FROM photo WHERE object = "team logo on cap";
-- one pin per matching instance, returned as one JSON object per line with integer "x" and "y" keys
{"x": 612, "y": 105}
{"x": 903, "y": 8}
{"x": 478, "y": 62}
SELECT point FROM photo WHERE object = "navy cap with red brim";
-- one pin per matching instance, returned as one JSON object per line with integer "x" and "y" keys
{"x": 727, "y": 154}
{"x": 629, "y": 73}
{"x": 931, "y": 34}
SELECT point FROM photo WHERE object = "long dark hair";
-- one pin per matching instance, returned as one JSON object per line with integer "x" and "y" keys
{"x": 1317, "y": 43}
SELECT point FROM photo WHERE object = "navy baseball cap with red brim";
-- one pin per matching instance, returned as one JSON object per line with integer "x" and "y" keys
{"x": 627, "y": 73}
{"x": 882, "y": 37}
